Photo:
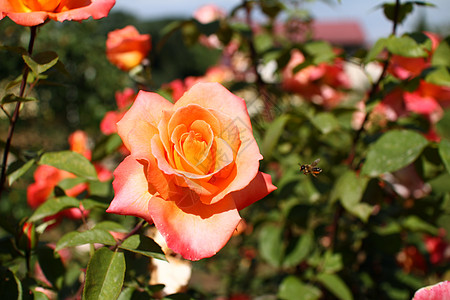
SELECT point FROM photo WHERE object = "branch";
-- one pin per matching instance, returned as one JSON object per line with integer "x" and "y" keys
{"x": 15, "y": 115}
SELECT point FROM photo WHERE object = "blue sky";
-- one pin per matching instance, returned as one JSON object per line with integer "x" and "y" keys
{"x": 372, "y": 20}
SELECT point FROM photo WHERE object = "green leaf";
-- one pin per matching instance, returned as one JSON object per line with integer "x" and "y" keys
{"x": 190, "y": 33}
{"x": 39, "y": 295}
{"x": 350, "y": 188}
{"x": 444, "y": 152}
{"x": 102, "y": 189}
{"x": 143, "y": 245}
{"x": 10, "y": 285}
{"x": 91, "y": 236}
{"x": 405, "y": 46}
{"x": 90, "y": 204}
{"x": 443, "y": 126}
{"x": 178, "y": 296}
{"x": 414, "y": 223}
{"x": 272, "y": 135}
{"x": 69, "y": 183}
{"x": 320, "y": 51}
{"x": 292, "y": 288}
{"x": 127, "y": 293}
{"x": 108, "y": 145}
{"x": 70, "y": 161}
{"x": 271, "y": 244}
{"x": 438, "y": 76}
{"x": 326, "y": 122}
{"x": 18, "y": 169}
{"x": 41, "y": 62}
{"x": 53, "y": 206}
{"x": 110, "y": 226}
{"x": 11, "y": 98}
{"x": 300, "y": 252}
{"x": 332, "y": 262}
{"x": 14, "y": 49}
{"x": 207, "y": 29}
{"x": 263, "y": 42}
{"x": 404, "y": 10}
{"x": 51, "y": 266}
{"x": 336, "y": 285}
{"x": 104, "y": 275}
{"x": 272, "y": 8}
{"x": 441, "y": 55}
{"x": 394, "y": 150}
{"x": 376, "y": 49}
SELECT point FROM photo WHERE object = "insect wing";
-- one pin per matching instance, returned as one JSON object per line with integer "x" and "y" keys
{"x": 315, "y": 162}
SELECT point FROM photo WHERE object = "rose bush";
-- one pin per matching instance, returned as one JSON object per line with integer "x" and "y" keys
{"x": 178, "y": 87}
{"x": 48, "y": 177}
{"x": 35, "y": 12}
{"x": 193, "y": 166}
{"x": 126, "y": 47}
{"x": 320, "y": 84}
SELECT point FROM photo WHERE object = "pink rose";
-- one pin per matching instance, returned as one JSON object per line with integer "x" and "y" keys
{"x": 193, "y": 166}
{"x": 126, "y": 47}
{"x": 209, "y": 13}
{"x": 35, "y": 12}
{"x": 319, "y": 84}
{"x": 439, "y": 291}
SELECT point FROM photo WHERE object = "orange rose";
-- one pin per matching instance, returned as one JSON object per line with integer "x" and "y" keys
{"x": 193, "y": 166}
{"x": 35, "y": 12}
{"x": 126, "y": 48}
{"x": 48, "y": 177}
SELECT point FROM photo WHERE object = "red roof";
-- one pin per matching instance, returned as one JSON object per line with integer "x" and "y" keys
{"x": 339, "y": 32}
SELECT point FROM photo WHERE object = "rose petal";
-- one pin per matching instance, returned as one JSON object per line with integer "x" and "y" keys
{"x": 189, "y": 114}
{"x": 439, "y": 291}
{"x": 76, "y": 10}
{"x": 148, "y": 107}
{"x": 139, "y": 139}
{"x": 258, "y": 188}
{"x": 109, "y": 123}
{"x": 423, "y": 105}
{"x": 164, "y": 136}
{"x": 215, "y": 96}
{"x": 198, "y": 231}
{"x": 180, "y": 177}
{"x": 131, "y": 190}
{"x": 193, "y": 154}
{"x": 125, "y": 99}
{"x": 229, "y": 131}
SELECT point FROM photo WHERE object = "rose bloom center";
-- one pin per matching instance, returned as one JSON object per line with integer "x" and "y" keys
{"x": 41, "y": 5}
{"x": 194, "y": 148}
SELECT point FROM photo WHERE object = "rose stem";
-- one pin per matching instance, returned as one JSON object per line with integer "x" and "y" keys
{"x": 15, "y": 115}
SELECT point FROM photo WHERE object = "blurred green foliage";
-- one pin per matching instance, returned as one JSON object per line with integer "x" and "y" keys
{"x": 85, "y": 90}
{"x": 346, "y": 234}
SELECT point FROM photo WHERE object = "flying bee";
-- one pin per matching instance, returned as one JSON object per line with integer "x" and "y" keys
{"x": 311, "y": 169}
